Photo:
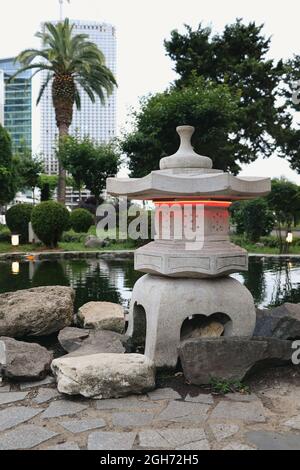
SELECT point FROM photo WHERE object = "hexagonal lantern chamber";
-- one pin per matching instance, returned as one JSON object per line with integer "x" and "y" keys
{"x": 191, "y": 244}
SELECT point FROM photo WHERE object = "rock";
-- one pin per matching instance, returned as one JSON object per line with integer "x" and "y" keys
{"x": 24, "y": 361}
{"x": 102, "y": 341}
{"x": 104, "y": 375}
{"x": 230, "y": 358}
{"x": 35, "y": 312}
{"x": 282, "y": 322}
{"x": 71, "y": 338}
{"x": 102, "y": 316}
{"x": 211, "y": 330}
{"x": 94, "y": 242}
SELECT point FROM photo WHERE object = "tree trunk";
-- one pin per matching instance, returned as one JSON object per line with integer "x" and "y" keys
{"x": 61, "y": 188}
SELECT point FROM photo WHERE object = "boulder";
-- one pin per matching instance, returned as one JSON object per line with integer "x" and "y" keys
{"x": 23, "y": 361}
{"x": 211, "y": 330}
{"x": 102, "y": 316}
{"x": 94, "y": 242}
{"x": 231, "y": 358}
{"x": 80, "y": 342}
{"x": 282, "y": 322}
{"x": 36, "y": 312}
{"x": 104, "y": 375}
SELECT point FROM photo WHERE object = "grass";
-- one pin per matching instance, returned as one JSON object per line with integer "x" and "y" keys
{"x": 222, "y": 387}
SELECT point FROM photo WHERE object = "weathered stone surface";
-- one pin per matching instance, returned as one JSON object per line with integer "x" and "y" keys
{"x": 293, "y": 423}
{"x": 13, "y": 416}
{"x": 25, "y": 437}
{"x": 100, "y": 341}
{"x": 102, "y": 316}
{"x": 282, "y": 322}
{"x": 164, "y": 394}
{"x": 24, "y": 361}
{"x": 35, "y": 312}
{"x": 94, "y": 242}
{"x": 63, "y": 408}
{"x": 238, "y": 446}
{"x": 100, "y": 440}
{"x": 83, "y": 425}
{"x": 65, "y": 446}
{"x": 131, "y": 402}
{"x": 48, "y": 380}
{"x": 244, "y": 397}
{"x": 210, "y": 330}
{"x": 222, "y": 431}
{"x": 127, "y": 420}
{"x": 206, "y": 398}
{"x": 199, "y": 445}
{"x": 230, "y": 358}
{"x": 10, "y": 397}
{"x": 171, "y": 438}
{"x": 4, "y": 388}
{"x": 252, "y": 412}
{"x": 267, "y": 440}
{"x": 104, "y": 375}
{"x": 46, "y": 394}
{"x": 181, "y": 411}
{"x": 71, "y": 338}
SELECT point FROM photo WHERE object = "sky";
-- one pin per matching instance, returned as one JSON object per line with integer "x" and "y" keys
{"x": 142, "y": 26}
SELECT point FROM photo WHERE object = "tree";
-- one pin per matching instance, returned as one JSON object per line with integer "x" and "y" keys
{"x": 89, "y": 163}
{"x": 29, "y": 170}
{"x": 47, "y": 184}
{"x": 8, "y": 186}
{"x": 238, "y": 58}
{"x": 211, "y": 108}
{"x": 253, "y": 218}
{"x": 71, "y": 61}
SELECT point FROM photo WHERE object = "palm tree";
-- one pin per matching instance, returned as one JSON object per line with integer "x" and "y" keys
{"x": 70, "y": 61}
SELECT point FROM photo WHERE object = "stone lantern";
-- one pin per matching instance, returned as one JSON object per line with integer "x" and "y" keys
{"x": 188, "y": 264}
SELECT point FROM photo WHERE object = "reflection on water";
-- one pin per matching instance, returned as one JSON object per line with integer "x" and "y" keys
{"x": 271, "y": 281}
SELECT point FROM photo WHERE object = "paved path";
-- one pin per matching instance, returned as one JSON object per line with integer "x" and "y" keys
{"x": 36, "y": 416}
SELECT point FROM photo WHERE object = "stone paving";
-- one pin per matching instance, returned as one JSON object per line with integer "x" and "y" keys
{"x": 36, "y": 416}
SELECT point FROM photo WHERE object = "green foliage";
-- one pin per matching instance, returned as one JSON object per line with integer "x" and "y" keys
{"x": 89, "y": 164}
{"x": 222, "y": 387}
{"x": 284, "y": 200}
{"x": 239, "y": 58}
{"x": 8, "y": 187}
{"x": 81, "y": 220}
{"x": 29, "y": 170}
{"x": 5, "y": 234}
{"x": 18, "y": 218}
{"x": 210, "y": 107}
{"x": 49, "y": 220}
{"x": 47, "y": 185}
{"x": 72, "y": 237}
{"x": 253, "y": 218}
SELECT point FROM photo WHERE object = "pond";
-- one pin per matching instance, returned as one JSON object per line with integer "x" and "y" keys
{"x": 271, "y": 281}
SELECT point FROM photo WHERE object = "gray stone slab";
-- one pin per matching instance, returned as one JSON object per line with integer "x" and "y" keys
{"x": 199, "y": 445}
{"x": 243, "y": 397}
{"x": 100, "y": 440}
{"x": 65, "y": 446}
{"x": 238, "y": 446}
{"x": 125, "y": 403}
{"x": 83, "y": 425}
{"x": 201, "y": 398}
{"x": 62, "y": 408}
{"x": 265, "y": 440}
{"x": 252, "y": 412}
{"x": 38, "y": 383}
{"x": 132, "y": 419}
{"x": 25, "y": 437}
{"x": 172, "y": 438}
{"x": 4, "y": 388}
{"x": 10, "y": 397}
{"x": 183, "y": 411}
{"x": 46, "y": 394}
{"x": 13, "y": 416}
{"x": 293, "y": 423}
{"x": 222, "y": 431}
{"x": 164, "y": 394}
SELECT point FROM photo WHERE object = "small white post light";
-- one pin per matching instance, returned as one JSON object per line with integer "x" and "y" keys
{"x": 15, "y": 267}
{"x": 15, "y": 240}
{"x": 289, "y": 237}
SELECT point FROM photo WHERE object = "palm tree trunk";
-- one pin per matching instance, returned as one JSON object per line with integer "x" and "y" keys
{"x": 61, "y": 188}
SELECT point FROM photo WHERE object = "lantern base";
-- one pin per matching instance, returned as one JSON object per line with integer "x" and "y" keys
{"x": 160, "y": 305}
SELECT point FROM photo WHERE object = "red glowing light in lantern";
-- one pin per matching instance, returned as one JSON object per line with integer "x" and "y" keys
{"x": 208, "y": 203}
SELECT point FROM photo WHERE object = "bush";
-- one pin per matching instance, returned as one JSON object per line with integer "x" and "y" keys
{"x": 81, "y": 220}
{"x": 18, "y": 218}
{"x": 49, "y": 220}
{"x": 5, "y": 235}
{"x": 73, "y": 237}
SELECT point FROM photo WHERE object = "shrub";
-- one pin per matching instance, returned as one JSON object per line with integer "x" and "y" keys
{"x": 18, "y": 218}
{"x": 49, "y": 220}
{"x": 73, "y": 237}
{"x": 81, "y": 220}
{"x": 4, "y": 234}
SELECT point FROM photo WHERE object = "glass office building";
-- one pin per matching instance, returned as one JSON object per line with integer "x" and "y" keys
{"x": 17, "y": 105}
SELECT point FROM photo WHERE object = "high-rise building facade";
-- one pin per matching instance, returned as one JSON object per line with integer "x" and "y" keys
{"x": 17, "y": 105}
{"x": 96, "y": 120}
{"x": 2, "y": 98}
